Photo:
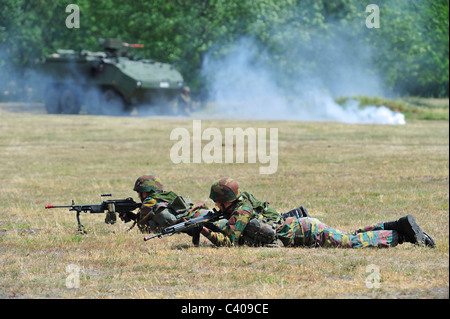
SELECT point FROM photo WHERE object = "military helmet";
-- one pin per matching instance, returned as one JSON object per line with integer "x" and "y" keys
{"x": 148, "y": 183}
{"x": 225, "y": 190}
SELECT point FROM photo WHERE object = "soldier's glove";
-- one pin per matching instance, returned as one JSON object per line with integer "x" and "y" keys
{"x": 194, "y": 232}
{"x": 127, "y": 216}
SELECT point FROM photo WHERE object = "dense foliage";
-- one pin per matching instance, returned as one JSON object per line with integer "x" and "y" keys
{"x": 409, "y": 50}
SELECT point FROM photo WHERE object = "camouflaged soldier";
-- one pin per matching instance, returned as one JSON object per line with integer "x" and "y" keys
{"x": 244, "y": 225}
{"x": 154, "y": 212}
{"x": 184, "y": 100}
{"x": 162, "y": 208}
{"x": 241, "y": 212}
{"x": 311, "y": 232}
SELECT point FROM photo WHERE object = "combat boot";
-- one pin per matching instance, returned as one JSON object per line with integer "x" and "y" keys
{"x": 407, "y": 229}
{"x": 428, "y": 240}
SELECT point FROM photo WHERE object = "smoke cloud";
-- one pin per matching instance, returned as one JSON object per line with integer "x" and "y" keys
{"x": 245, "y": 84}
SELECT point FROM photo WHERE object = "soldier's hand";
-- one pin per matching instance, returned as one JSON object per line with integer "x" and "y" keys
{"x": 127, "y": 216}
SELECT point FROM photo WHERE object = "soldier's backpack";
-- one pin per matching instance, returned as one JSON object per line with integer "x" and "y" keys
{"x": 260, "y": 231}
{"x": 262, "y": 208}
{"x": 171, "y": 209}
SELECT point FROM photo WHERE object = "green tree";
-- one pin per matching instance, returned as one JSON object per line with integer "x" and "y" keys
{"x": 413, "y": 46}
{"x": 409, "y": 51}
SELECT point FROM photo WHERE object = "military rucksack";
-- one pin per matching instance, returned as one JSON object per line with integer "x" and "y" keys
{"x": 168, "y": 211}
{"x": 175, "y": 204}
{"x": 261, "y": 230}
{"x": 262, "y": 208}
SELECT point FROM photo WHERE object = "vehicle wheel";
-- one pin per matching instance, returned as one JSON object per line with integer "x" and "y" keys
{"x": 70, "y": 103}
{"x": 93, "y": 102}
{"x": 112, "y": 103}
{"x": 52, "y": 98}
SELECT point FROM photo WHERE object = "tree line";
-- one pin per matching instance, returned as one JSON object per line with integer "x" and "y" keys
{"x": 409, "y": 50}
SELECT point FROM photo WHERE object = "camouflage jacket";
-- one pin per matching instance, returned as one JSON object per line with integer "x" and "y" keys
{"x": 150, "y": 205}
{"x": 234, "y": 227}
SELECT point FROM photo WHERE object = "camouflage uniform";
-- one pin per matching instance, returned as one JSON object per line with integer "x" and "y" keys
{"x": 238, "y": 216}
{"x": 306, "y": 231}
{"x": 162, "y": 208}
{"x": 233, "y": 229}
{"x": 153, "y": 213}
{"x": 293, "y": 232}
{"x": 311, "y": 232}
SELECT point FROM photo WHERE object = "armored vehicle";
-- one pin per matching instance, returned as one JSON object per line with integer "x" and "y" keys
{"x": 110, "y": 82}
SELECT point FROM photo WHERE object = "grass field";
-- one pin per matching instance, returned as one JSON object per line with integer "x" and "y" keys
{"x": 346, "y": 175}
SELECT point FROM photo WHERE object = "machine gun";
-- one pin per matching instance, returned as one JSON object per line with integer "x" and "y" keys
{"x": 191, "y": 224}
{"x": 111, "y": 207}
{"x": 116, "y": 47}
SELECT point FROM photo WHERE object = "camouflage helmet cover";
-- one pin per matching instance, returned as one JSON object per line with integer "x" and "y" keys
{"x": 225, "y": 190}
{"x": 148, "y": 183}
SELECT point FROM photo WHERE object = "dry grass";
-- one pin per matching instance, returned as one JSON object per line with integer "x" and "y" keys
{"x": 346, "y": 175}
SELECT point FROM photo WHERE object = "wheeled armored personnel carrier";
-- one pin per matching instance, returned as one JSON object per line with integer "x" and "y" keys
{"x": 110, "y": 82}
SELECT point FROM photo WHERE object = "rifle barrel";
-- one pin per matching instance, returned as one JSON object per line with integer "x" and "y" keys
{"x": 160, "y": 235}
{"x": 63, "y": 206}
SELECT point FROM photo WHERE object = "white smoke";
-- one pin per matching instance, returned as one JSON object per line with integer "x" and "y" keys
{"x": 242, "y": 85}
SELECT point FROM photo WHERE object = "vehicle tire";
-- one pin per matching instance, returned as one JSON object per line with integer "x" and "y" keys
{"x": 52, "y": 98}
{"x": 112, "y": 103}
{"x": 70, "y": 103}
{"x": 94, "y": 102}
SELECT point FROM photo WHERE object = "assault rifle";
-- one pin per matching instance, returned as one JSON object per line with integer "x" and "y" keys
{"x": 190, "y": 225}
{"x": 111, "y": 207}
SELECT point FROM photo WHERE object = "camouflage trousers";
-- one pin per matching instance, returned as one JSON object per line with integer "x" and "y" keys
{"x": 311, "y": 232}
